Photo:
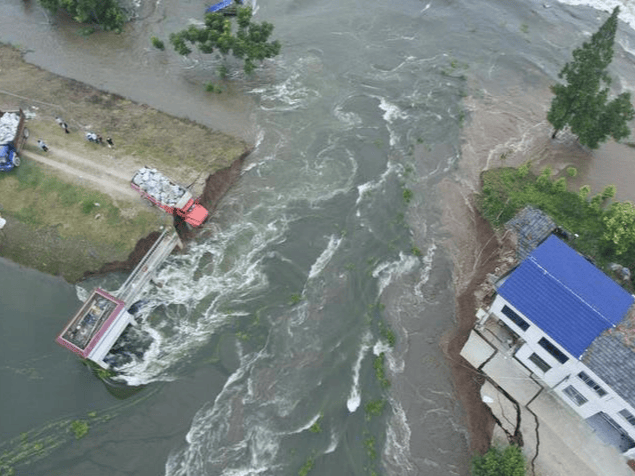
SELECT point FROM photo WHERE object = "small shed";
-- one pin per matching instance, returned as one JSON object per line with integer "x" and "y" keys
{"x": 532, "y": 226}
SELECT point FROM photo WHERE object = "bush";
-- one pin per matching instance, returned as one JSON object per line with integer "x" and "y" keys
{"x": 158, "y": 44}
{"x": 499, "y": 462}
{"x": 560, "y": 185}
{"x": 79, "y": 428}
{"x": 584, "y": 192}
{"x": 608, "y": 192}
{"x": 505, "y": 192}
{"x": 523, "y": 170}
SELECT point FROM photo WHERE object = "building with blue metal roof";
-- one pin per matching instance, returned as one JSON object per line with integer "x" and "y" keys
{"x": 565, "y": 295}
{"x": 561, "y": 312}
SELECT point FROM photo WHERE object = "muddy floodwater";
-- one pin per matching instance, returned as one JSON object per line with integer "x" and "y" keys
{"x": 258, "y": 353}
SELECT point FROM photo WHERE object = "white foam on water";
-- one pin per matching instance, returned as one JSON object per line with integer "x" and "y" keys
{"x": 82, "y": 294}
{"x": 381, "y": 347}
{"x": 308, "y": 425}
{"x": 350, "y": 119}
{"x": 325, "y": 256}
{"x": 289, "y": 95}
{"x": 387, "y": 271}
{"x": 335, "y": 440}
{"x": 355, "y": 397}
{"x": 424, "y": 276}
{"x": 396, "y": 454}
{"x": 627, "y": 8}
{"x": 369, "y": 187}
{"x": 236, "y": 273}
{"x": 392, "y": 112}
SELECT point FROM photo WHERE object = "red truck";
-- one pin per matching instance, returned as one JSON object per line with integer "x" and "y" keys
{"x": 169, "y": 196}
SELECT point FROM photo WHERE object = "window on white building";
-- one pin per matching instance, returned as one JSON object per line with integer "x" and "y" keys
{"x": 591, "y": 383}
{"x": 628, "y": 416}
{"x": 574, "y": 395}
{"x": 541, "y": 364}
{"x": 515, "y": 318}
{"x": 553, "y": 350}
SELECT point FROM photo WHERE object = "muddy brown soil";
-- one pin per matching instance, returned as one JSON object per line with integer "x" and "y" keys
{"x": 216, "y": 186}
{"x": 508, "y": 129}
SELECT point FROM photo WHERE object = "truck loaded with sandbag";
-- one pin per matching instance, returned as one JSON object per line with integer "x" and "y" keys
{"x": 13, "y": 134}
{"x": 169, "y": 196}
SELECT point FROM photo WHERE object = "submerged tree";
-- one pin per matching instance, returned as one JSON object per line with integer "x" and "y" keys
{"x": 106, "y": 13}
{"x": 582, "y": 102}
{"x": 250, "y": 43}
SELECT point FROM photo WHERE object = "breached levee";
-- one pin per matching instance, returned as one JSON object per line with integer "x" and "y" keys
{"x": 69, "y": 213}
{"x": 217, "y": 185}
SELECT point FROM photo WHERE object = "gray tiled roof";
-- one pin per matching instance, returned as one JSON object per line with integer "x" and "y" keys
{"x": 532, "y": 227}
{"x": 614, "y": 363}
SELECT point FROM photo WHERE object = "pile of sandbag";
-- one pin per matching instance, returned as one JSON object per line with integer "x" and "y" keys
{"x": 9, "y": 123}
{"x": 158, "y": 186}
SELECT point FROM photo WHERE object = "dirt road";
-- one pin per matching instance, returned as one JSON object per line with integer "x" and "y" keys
{"x": 71, "y": 210}
{"x": 109, "y": 176}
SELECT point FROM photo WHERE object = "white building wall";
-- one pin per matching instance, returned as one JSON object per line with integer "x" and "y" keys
{"x": 531, "y": 337}
{"x": 560, "y": 376}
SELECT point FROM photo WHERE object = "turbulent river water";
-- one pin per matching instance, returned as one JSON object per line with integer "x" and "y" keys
{"x": 258, "y": 354}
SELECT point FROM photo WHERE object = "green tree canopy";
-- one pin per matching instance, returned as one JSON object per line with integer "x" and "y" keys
{"x": 106, "y": 13}
{"x": 496, "y": 462}
{"x": 582, "y": 102}
{"x": 620, "y": 226}
{"x": 250, "y": 43}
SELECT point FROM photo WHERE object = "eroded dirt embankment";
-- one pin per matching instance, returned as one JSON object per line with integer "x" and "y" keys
{"x": 508, "y": 129}
{"x": 216, "y": 186}
{"x": 70, "y": 211}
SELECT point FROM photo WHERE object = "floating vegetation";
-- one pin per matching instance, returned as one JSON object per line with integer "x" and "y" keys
{"x": 295, "y": 299}
{"x": 387, "y": 334}
{"x": 306, "y": 467}
{"x": 407, "y": 195}
{"x": 79, "y": 428}
{"x": 317, "y": 426}
{"x": 371, "y": 451}
{"x": 380, "y": 372}
{"x": 374, "y": 408}
{"x": 33, "y": 445}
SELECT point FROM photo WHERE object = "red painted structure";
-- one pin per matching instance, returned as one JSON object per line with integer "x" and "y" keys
{"x": 87, "y": 327}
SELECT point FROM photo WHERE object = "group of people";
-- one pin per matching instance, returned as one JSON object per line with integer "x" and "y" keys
{"x": 90, "y": 136}
{"x": 97, "y": 139}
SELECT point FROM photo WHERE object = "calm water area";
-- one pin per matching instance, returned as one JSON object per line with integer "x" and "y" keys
{"x": 271, "y": 324}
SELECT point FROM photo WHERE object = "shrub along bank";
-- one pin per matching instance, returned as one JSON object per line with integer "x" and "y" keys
{"x": 604, "y": 229}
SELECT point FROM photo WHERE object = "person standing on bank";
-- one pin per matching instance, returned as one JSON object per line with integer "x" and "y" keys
{"x": 62, "y": 124}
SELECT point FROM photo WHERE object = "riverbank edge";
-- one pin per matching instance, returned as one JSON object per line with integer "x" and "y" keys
{"x": 217, "y": 185}
{"x": 506, "y": 129}
{"x": 217, "y": 162}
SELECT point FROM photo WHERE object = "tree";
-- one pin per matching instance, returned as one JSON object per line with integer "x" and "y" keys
{"x": 582, "y": 102}
{"x": 619, "y": 224}
{"x": 497, "y": 462}
{"x": 106, "y": 13}
{"x": 250, "y": 42}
